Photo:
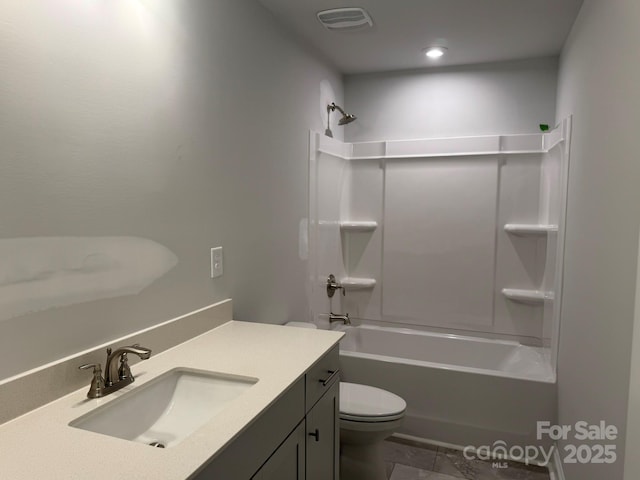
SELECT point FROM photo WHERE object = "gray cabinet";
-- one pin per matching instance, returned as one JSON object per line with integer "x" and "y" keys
{"x": 323, "y": 435}
{"x": 288, "y": 461}
{"x": 311, "y": 452}
{"x": 297, "y": 438}
{"x": 320, "y": 377}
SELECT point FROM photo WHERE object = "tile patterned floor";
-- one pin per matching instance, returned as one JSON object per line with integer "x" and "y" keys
{"x": 407, "y": 460}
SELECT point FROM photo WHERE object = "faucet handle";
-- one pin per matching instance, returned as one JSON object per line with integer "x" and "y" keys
{"x": 97, "y": 382}
{"x": 333, "y": 285}
{"x": 96, "y": 367}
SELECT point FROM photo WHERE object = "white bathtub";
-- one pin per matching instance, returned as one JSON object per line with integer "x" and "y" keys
{"x": 459, "y": 390}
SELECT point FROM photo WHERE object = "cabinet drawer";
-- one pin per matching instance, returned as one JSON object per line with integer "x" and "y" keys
{"x": 321, "y": 376}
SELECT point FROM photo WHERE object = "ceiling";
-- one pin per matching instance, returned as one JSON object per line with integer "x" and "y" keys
{"x": 474, "y": 31}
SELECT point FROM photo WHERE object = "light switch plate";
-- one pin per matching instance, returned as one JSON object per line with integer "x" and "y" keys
{"x": 216, "y": 262}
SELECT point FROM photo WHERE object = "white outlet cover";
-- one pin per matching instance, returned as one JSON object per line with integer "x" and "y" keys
{"x": 216, "y": 262}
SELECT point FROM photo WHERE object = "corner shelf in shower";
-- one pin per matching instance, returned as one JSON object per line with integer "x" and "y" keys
{"x": 529, "y": 297}
{"x": 529, "y": 230}
{"x": 353, "y": 283}
{"x": 358, "y": 226}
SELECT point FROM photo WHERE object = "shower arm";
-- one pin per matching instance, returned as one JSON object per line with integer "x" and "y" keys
{"x": 333, "y": 107}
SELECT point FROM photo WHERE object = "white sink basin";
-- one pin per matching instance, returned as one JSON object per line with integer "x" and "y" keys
{"x": 167, "y": 409}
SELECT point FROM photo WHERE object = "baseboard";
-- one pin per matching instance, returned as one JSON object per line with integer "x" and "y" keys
{"x": 405, "y": 438}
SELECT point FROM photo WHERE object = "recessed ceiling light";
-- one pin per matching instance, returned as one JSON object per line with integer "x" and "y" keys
{"x": 435, "y": 52}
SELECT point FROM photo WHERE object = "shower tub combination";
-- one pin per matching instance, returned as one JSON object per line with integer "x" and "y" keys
{"x": 448, "y": 235}
{"x": 459, "y": 390}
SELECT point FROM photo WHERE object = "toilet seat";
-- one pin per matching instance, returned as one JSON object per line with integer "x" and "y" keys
{"x": 363, "y": 403}
{"x": 363, "y": 419}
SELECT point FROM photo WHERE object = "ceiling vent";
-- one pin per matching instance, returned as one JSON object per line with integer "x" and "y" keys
{"x": 345, "y": 18}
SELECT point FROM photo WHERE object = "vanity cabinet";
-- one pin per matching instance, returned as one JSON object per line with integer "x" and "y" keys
{"x": 323, "y": 436}
{"x": 288, "y": 461}
{"x": 297, "y": 438}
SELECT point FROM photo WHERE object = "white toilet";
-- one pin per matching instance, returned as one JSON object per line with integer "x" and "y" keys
{"x": 368, "y": 415}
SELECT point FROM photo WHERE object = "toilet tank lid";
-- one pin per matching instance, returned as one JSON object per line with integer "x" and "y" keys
{"x": 301, "y": 324}
{"x": 368, "y": 401}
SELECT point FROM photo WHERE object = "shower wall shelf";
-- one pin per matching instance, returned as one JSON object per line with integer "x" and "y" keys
{"x": 528, "y": 230}
{"x": 491, "y": 145}
{"x": 358, "y": 226}
{"x": 353, "y": 283}
{"x": 530, "y": 297}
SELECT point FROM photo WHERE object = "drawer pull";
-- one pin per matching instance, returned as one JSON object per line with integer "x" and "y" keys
{"x": 315, "y": 435}
{"x": 328, "y": 380}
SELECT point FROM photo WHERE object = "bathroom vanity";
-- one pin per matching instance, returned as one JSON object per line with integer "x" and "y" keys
{"x": 284, "y": 426}
{"x": 296, "y": 438}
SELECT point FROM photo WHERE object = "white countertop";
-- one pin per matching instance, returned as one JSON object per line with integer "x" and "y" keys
{"x": 41, "y": 446}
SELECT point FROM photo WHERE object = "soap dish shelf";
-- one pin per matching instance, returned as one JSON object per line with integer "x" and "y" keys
{"x": 358, "y": 226}
{"x": 529, "y": 230}
{"x": 529, "y": 297}
{"x": 353, "y": 283}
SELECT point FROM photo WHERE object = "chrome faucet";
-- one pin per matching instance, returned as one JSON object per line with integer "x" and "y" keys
{"x": 117, "y": 374}
{"x": 340, "y": 318}
{"x": 114, "y": 373}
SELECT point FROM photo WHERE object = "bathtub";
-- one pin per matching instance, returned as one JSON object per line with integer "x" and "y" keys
{"x": 459, "y": 390}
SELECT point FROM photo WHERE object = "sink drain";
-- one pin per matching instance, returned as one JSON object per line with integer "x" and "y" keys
{"x": 157, "y": 445}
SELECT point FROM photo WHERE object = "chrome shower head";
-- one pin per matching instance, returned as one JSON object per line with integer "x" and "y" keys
{"x": 346, "y": 117}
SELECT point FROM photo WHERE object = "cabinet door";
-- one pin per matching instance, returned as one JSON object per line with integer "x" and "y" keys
{"x": 323, "y": 436}
{"x": 287, "y": 462}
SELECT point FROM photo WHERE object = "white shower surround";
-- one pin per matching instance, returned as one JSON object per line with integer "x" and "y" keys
{"x": 485, "y": 185}
{"x": 462, "y": 386}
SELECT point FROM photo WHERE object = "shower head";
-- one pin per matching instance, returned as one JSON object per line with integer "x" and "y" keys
{"x": 346, "y": 117}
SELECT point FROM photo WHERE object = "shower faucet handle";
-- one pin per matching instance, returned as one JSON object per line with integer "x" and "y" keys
{"x": 333, "y": 285}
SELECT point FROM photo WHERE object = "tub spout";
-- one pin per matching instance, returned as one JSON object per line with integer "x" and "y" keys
{"x": 339, "y": 318}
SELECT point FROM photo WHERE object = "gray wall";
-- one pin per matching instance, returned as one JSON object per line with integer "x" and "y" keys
{"x": 485, "y": 99}
{"x": 599, "y": 78}
{"x": 183, "y": 122}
